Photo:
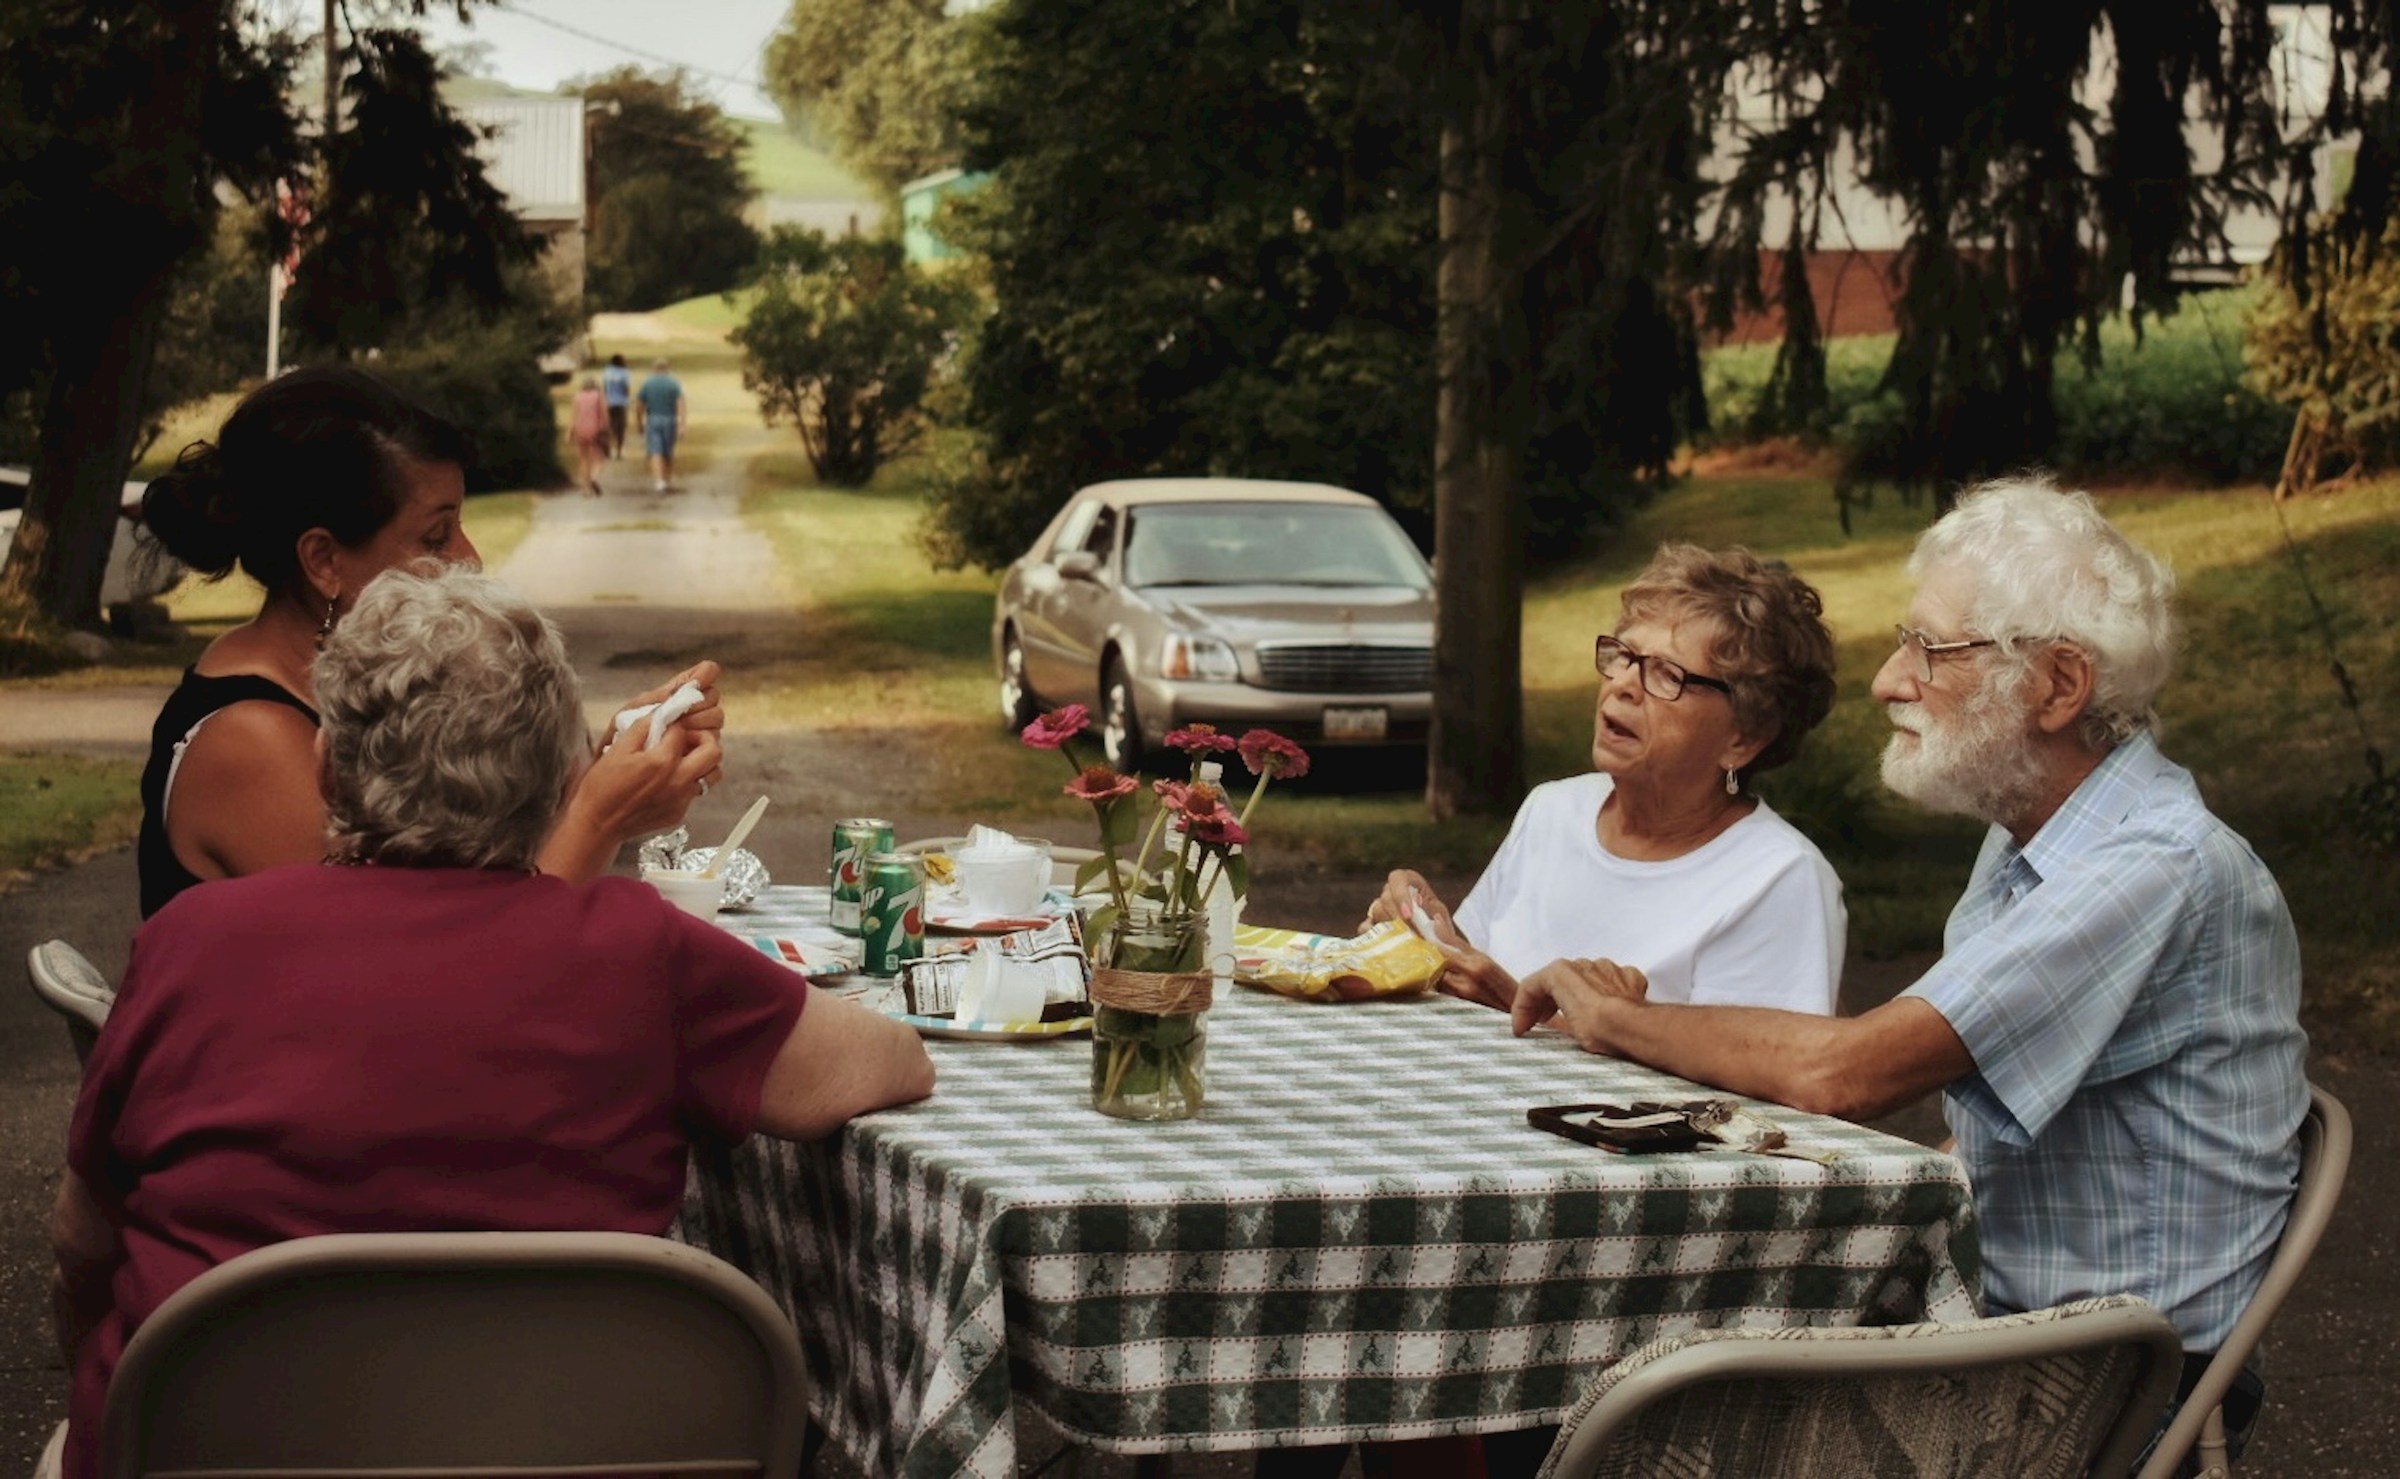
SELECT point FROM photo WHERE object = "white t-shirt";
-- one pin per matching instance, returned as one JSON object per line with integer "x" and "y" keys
{"x": 1752, "y": 918}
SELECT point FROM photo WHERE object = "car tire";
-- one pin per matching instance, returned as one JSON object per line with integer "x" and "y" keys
{"x": 1018, "y": 706}
{"x": 1120, "y": 727}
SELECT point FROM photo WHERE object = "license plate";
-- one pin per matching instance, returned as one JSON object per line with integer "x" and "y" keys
{"x": 1357, "y": 722}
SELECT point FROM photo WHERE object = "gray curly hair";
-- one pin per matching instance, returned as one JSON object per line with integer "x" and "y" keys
{"x": 452, "y": 723}
{"x": 2049, "y": 568}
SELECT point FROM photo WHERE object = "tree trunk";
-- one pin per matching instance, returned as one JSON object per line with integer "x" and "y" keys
{"x": 88, "y": 424}
{"x": 1476, "y": 755}
{"x": 99, "y": 364}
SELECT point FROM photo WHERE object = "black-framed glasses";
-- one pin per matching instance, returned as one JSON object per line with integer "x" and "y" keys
{"x": 1662, "y": 677}
{"x": 1928, "y": 649}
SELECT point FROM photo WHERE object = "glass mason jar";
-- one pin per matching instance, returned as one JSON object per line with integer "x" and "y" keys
{"x": 1150, "y": 1017}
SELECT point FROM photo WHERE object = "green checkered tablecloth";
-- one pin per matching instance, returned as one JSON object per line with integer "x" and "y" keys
{"x": 1360, "y": 1237}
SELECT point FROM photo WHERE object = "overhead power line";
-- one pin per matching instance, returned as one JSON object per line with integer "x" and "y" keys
{"x": 752, "y": 83}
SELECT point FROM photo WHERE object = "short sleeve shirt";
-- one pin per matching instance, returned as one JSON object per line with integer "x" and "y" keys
{"x": 616, "y": 385}
{"x": 1753, "y": 917}
{"x": 659, "y": 395}
{"x": 314, "y": 1050}
{"x": 2129, "y": 986}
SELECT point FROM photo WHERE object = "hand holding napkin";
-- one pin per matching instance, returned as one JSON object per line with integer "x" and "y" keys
{"x": 661, "y": 715}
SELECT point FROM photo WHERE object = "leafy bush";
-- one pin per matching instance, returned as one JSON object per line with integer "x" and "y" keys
{"x": 2334, "y": 354}
{"x": 843, "y": 340}
{"x": 2174, "y": 402}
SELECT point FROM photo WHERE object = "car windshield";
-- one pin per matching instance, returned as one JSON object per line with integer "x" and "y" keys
{"x": 1322, "y": 544}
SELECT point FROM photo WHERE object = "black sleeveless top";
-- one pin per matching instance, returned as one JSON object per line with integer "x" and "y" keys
{"x": 193, "y": 700}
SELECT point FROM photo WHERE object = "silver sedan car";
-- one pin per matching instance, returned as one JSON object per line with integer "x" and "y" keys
{"x": 1163, "y": 601}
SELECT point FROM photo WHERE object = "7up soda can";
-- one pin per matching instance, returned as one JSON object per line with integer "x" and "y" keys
{"x": 855, "y": 839}
{"x": 891, "y": 904}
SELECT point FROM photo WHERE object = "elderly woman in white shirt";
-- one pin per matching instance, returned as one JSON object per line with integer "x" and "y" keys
{"x": 1663, "y": 863}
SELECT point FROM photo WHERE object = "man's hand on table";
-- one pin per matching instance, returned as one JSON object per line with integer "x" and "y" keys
{"x": 1575, "y": 993}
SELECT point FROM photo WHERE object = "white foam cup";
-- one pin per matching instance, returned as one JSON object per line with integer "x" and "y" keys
{"x": 1003, "y": 878}
{"x": 694, "y": 895}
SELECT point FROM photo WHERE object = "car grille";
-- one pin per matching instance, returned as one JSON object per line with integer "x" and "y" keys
{"x": 1346, "y": 669}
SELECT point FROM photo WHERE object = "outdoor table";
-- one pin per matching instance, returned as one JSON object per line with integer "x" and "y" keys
{"x": 1359, "y": 1237}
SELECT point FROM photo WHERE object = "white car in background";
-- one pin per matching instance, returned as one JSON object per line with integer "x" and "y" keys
{"x": 1158, "y": 602}
{"x": 133, "y": 573}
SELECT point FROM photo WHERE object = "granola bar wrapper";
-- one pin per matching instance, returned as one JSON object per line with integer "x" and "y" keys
{"x": 1388, "y": 960}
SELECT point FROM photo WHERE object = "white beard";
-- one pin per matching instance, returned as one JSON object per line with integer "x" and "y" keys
{"x": 1979, "y": 765}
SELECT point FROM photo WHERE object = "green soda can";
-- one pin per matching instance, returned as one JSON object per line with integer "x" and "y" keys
{"x": 891, "y": 904}
{"x": 855, "y": 839}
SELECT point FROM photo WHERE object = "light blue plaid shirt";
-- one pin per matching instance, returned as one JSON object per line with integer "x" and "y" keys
{"x": 2129, "y": 985}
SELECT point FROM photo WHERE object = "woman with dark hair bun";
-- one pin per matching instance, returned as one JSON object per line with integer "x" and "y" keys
{"x": 318, "y": 482}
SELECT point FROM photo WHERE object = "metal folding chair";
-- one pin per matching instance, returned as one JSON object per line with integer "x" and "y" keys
{"x": 434, "y": 1354}
{"x": 73, "y": 987}
{"x": 2050, "y": 1394}
{"x": 2199, "y": 1426}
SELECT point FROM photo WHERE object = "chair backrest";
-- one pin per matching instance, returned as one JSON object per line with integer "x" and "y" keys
{"x": 2324, "y": 1166}
{"x": 466, "y": 1353}
{"x": 73, "y": 987}
{"x": 2062, "y": 1393}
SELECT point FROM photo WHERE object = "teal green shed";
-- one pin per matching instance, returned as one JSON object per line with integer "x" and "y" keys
{"x": 919, "y": 199}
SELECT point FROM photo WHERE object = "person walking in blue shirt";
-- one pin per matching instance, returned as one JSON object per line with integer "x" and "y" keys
{"x": 616, "y": 390}
{"x": 2115, "y": 1016}
{"x": 662, "y": 408}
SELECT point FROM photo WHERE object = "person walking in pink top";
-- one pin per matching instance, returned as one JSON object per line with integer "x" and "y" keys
{"x": 590, "y": 431}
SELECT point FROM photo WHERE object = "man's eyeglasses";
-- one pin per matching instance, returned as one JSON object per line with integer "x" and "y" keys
{"x": 1662, "y": 677}
{"x": 1928, "y": 649}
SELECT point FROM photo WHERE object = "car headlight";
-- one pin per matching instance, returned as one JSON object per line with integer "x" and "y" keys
{"x": 1204, "y": 658}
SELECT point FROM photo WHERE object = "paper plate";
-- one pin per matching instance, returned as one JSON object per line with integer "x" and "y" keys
{"x": 984, "y": 924}
{"x": 805, "y": 956}
{"x": 947, "y": 1030}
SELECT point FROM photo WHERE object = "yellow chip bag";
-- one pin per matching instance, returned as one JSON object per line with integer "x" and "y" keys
{"x": 1388, "y": 960}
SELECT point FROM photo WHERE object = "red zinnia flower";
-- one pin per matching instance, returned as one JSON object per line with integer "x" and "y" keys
{"x": 1218, "y": 829}
{"x": 1196, "y": 740}
{"x": 1269, "y": 753}
{"x": 1057, "y": 727}
{"x": 1098, "y": 784}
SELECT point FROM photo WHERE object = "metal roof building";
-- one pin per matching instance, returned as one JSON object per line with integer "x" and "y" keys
{"x": 535, "y": 154}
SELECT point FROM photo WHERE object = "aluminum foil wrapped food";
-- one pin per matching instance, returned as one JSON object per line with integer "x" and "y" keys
{"x": 666, "y": 849}
{"x": 745, "y": 876}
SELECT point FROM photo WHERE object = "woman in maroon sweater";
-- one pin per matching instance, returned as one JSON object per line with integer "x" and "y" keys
{"x": 422, "y": 1032}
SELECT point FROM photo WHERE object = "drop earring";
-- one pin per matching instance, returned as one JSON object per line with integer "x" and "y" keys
{"x": 1733, "y": 778}
{"x": 325, "y": 627}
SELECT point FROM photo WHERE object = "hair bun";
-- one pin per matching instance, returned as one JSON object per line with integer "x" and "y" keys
{"x": 190, "y": 510}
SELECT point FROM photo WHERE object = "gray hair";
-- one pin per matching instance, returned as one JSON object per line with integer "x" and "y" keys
{"x": 452, "y": 722}
{"x": 2048, "y": 568}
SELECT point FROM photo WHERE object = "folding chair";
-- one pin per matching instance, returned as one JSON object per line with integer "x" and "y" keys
{"x": 73, "y": 987}
{"x": 2199, "y": 1426}
{"x": 461, "y": 1353}
{"x": 2049, "y": 1394}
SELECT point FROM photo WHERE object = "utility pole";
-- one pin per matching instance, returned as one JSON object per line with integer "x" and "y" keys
{"x": 333, "y": 74}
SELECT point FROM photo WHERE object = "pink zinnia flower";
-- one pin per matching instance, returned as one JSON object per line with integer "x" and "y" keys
{"x": 1201, "y": 802}
{"x": 1057, "y": 727}
{"x": 1098, "y": 784}
{"x": 1269, "y": 753}
{"x": 1197, "y": 740}
{"x": 1171, "y": 793}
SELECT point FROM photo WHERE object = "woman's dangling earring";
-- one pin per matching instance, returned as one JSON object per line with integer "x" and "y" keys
{"x": 1733, "y": 778}
{"x": 325, "y": 627}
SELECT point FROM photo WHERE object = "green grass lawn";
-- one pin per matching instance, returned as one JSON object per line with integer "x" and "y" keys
{"x": 56, "y": 808}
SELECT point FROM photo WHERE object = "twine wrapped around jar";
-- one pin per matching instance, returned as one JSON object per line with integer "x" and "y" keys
{"x": 1158, "y": 993}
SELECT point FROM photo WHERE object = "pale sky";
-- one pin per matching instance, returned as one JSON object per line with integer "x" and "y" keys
{"x": 539, "y": 44}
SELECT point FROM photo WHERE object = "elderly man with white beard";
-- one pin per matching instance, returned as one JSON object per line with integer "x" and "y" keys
{"x": 2115, "y": 1016}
